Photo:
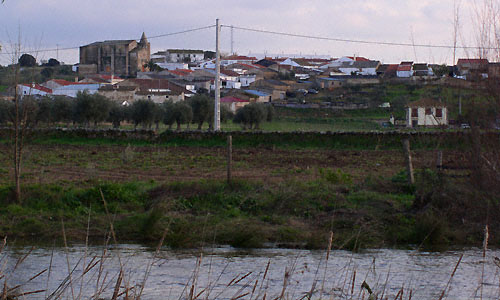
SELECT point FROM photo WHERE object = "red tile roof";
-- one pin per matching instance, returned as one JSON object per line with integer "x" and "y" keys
{"x": 180, "y": 72}
{"x": 147, "y": 84}
{"x": 426, "y": 102}
{"x": 359, "y": 58}
{"x": 229, "y": 73}
{"x": 239, "y": 57}
{"x": 474, "y": 61}
{"x": 38, "y": 87}
{"x": 65, "y": 82}
{"x": 404, "y": 68}
{"x": 230, "y": 99}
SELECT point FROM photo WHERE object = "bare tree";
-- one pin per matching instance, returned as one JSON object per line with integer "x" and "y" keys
{"x": 22, "y": 117}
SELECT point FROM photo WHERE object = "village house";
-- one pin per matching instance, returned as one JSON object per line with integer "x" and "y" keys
{"x": 494, "y": 71}
{"x": 387, "y": 70}
{"x": 473, "y": 69}
{"x": 330, "y": 83}
{"x": 405, "y": 69}
{"x": 63, "y": 87}
{"x": 156, "y": 90}
{"x": 426, "y": 112}
{"x": 234, "y": 103}
{"x": 422, "y": 70}
{"x": 118, "y": 57}
{"x": 101, "y": 79}
{"x": 33, "y": 89}
{"x": 276, "y": 88}
{"x": 180, "y": 56}
{"x": 234, "y": 59}
{"x": 259, "y": 95}
{"x": 364, "y": 68}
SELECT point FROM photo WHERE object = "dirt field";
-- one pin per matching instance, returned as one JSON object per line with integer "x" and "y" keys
{"x": 73, "y": 164}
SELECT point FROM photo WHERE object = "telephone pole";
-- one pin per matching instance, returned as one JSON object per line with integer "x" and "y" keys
{"x": 217, "y": 77}
{"x": 232, "y": 40}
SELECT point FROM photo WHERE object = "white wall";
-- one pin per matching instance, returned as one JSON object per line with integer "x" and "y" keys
{"x": 72, "y": 90}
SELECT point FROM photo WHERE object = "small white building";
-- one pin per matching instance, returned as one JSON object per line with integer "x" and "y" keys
{"x": 246, "y": 80}
{"x": 184, "y": 55}
{"x": 405, "y": 69}
{"x": 71, "y": 90}
{"x": 426, "y": 112}
{"x": 32, "y": 90}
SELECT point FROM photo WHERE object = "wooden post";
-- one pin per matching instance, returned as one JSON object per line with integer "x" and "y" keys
{"x": 439, "y": 163}
{"x": 409, "y": 165}
{"x": 229, "y": 157}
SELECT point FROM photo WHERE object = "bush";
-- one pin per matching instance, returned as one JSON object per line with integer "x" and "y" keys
{"x": 335, "y": 176}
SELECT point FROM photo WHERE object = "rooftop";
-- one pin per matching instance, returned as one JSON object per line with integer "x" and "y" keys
{"x": 426, "y": 102}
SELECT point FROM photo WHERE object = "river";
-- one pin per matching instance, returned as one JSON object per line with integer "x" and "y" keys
{"x": 228, "y": 273}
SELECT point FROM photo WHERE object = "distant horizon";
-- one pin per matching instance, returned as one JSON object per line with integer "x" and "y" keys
{"x": 56, "y": 24}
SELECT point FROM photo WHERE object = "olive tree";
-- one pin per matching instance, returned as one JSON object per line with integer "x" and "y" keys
{"x": 63, "y": 109}
{"x": 251, "y": 115}
{"x": 202, "y": 107}
{"x": 91, "y": 108}
{"x": 117, "y": 114}
{"x": 142, "y": 112}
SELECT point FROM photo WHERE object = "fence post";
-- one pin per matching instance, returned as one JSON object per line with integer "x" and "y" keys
{"x": 409, "y": 165}
{"x": 439, "y": 163}
{"x": 229, "y": 157}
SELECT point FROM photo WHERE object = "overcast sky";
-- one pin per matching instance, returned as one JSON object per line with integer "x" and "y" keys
{"x": 46, "y": 24}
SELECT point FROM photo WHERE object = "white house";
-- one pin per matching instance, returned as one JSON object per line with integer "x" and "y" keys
{"x": 246, "y": 80}
{"x": 33, "y": 90}
{"x": 173, "y": 66}
{"x": 405, "y": 69}
{"x": 71, "y": 90}
{"x": 237, "y": 59}
{"x": 426, "y": 112}
{"x": 184, "y": 55}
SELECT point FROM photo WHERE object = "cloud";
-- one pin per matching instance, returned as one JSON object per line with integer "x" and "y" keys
{"x": 73, "y": 23}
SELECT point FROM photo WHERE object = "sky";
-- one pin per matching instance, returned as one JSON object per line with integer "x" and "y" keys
{"x": 59, "y": 24}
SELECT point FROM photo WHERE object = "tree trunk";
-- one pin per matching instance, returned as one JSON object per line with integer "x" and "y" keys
{"x": 178, "y": 126}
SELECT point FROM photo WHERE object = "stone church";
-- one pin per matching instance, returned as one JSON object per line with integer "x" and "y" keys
{"x": 116, "y": 57}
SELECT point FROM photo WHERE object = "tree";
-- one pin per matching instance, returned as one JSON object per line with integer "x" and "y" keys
{"x": 169, "y": 114}
{"x": 441, "y": 70}
{"x": 250, "y": 115}
{"x": 47, "y": 73}
{"x": 158, "y": 113}
{"x": 91, "y": 108}
{"x": 117, "y": 114}
{"x": 202, "y": 108}
{"x": 179, "y": 113}
{"x": 45, "y": 110}
{"x": 63, "y": 109}
{"x": 53, "y": 62}
{"x": 183, "y": 114}
{"x": 153, "y": 67}
{"x": 142, "y": 112}
{"x": 5, "y": 108}
{"x": 27, "y": 60}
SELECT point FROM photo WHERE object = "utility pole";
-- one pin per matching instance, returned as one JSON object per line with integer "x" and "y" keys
{"x": 232, "y": 40}
{"x": 217, "y": 77}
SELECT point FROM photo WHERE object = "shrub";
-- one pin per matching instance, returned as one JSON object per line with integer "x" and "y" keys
{"x": 335, "y": 176}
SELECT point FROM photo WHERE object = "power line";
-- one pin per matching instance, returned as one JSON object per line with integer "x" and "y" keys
{"x": 358, "y": 41}
{"x": 78, "y": 47}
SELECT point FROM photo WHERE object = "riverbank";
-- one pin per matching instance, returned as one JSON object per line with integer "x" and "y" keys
{"x": 376, "y": 213}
